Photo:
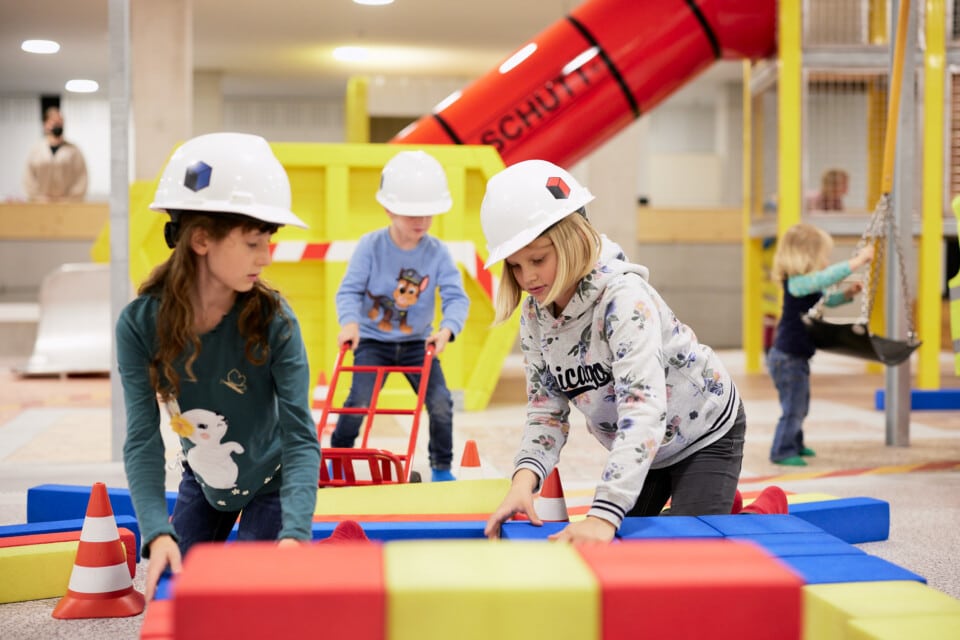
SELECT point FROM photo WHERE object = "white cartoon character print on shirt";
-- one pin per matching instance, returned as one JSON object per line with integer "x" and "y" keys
{"x": 210, "y": 458}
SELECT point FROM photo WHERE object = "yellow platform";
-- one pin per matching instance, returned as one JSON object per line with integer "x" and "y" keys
{"x": 334, "y": 188}
{"x": 435, "y": 498}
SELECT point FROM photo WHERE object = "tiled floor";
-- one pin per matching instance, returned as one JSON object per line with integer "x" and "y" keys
{"x": 58, "y": 431}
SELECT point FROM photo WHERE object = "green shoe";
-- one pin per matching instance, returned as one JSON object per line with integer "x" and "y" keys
{"x": 807, "y": 452}
{"x": 792, "y": 461}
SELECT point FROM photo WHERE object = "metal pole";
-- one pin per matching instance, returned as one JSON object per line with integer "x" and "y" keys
{"x": 897, "y": 387}
{"x": 119, "y": 23}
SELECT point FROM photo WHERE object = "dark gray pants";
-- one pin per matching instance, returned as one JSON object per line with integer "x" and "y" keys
{"x": 702, "y": 484}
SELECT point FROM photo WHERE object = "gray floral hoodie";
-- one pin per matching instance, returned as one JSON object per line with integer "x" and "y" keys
{"x": 650, "y": 392}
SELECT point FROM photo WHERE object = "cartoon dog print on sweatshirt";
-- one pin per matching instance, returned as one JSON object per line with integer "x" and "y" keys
{"x": 210, "y": 457}
{"x": 410, "y": 284}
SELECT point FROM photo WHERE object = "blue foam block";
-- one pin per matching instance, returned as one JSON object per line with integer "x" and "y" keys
{"x": 848, "y": 568}
{"x": 410, "y": 530}
{"x": 658, "y": 527}
{"x": 164, "y": 587}
{"x": 926, "y": 399}
{"x": 67, "y": 501}
{"x": 57, "y": 526}
{"x": 802, "y": 544}
{"x": 752, "y": 524}
{"x": 853, "y": 520}
{"x": 523, "y": 530}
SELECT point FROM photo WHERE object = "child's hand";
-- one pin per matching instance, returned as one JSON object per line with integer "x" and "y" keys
{"x": 519, "y": 500}
{"x": 164, "y": 551}
{"x": 852, "y": 290}
{"x": 349, "y": 332}
{"x": 863, "y": 256}
{"x": 590, "y": 529}
{"x": 439, "y": 340}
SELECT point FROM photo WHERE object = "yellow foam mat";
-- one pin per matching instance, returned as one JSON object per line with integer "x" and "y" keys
{"x": 477, "y": 590}
{"x": 430, "y": 498}
{"x": 827, "y": 608}
{"x": 801, "y": 498}
{"x": 36, "y": 571}
{"x": 931, "y": 627}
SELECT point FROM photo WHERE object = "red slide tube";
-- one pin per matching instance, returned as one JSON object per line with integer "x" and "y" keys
{"x": 587, "y": 76}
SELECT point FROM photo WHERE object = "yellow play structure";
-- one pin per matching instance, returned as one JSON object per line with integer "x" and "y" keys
{"x": 333, "y": 188}
{"x": 822, "y": 103}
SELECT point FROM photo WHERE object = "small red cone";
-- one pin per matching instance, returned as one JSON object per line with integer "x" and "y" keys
{"x": 100, "y": 584}
{"x": 737, "y": 503}
{"x": 551, "y": 506}
{"x": 346, "y": 531}
{"x": 771, "y": 500}
{"x": 470, "y": 462}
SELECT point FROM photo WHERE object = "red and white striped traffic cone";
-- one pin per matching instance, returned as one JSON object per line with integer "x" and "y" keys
{"x": 100, "y": 584}
{"x": 550, "y": 505}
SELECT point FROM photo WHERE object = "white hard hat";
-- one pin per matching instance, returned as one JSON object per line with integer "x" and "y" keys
{"x": 413, "y": 183}
{"x": 522, "y": 201}
{"x": 227, "y": 173}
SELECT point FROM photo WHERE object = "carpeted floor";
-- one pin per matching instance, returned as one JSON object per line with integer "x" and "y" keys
{"x": 58, "y": 431}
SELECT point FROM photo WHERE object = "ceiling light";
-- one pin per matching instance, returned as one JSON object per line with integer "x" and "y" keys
{"x": 351, "y": 54}
{"x": 40, "y": 46}
{"x": 518, "y": 57}
{"x": 82, "y": 86}
{"x": 373, "y": 3}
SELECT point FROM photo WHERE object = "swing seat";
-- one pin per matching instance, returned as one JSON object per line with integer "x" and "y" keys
{"x": 854, "y": 339}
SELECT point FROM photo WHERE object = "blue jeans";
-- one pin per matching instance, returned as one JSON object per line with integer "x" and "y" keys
{"x": 699, "y": 485}
{"x": 438, "y": 401}
{"x": 195, "y": 520}
{"x": 791, "y": 376}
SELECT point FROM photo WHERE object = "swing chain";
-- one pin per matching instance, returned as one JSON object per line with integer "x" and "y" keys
{"x": 883, "y": 224}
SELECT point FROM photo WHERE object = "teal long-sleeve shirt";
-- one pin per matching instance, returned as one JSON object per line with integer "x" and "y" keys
{"x": 244, "y": 428}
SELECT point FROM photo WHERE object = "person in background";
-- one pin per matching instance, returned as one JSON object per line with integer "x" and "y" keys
{"x": 596, "y": 334}
{"x": 56, "y": 169}
{"x": 222, "y": 351}
{"x": 800, "y": 264}
{"x": 834, "y": 184}
{"x": 387, "y": 299}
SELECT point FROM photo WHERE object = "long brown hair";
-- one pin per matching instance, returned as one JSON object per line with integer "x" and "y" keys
{"x": 174, "y": 281}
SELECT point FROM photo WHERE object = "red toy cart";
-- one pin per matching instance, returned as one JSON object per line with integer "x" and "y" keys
{"x": 385, "y": 467}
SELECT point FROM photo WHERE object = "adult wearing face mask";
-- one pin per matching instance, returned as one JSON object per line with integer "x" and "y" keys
{"x": 56, "y": 170}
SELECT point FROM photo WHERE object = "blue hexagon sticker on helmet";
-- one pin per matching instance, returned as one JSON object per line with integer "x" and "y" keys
{"x": 197, "y": 176}
{"x": 558, "y": 188}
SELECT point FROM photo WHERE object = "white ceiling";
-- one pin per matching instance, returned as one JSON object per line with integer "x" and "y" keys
{"x": 284, "y": 46}
{"x": 283, "y": 42}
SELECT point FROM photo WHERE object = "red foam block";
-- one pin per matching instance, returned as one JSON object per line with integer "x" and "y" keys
{"x": 717, "y": 589}
{"x": 261, "y": 590}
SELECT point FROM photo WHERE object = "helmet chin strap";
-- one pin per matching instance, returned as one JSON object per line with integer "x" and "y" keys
{"x": 171, "y": 231}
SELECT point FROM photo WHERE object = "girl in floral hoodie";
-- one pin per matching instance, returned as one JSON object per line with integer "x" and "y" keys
{"x": 597, "y": 335}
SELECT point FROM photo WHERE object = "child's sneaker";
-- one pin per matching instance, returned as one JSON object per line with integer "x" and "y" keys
{"x": 807, "y": 452}
{"x": 441, "y": 475}
{"x": 771, "y": 500}
{"x": 792, "y": 461}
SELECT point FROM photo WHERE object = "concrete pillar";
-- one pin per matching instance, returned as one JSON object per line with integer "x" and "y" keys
{"x": 611, "y": 173}
{"x": 207, "y": 102}
{"x": 161, "y": 37}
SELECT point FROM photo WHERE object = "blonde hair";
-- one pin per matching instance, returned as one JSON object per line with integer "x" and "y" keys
{"x": 801, "y": 250}
{"x": 577, "y": 245}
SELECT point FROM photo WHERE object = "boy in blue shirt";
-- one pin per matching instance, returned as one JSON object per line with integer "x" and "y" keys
{"x": 386, "y": 302}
